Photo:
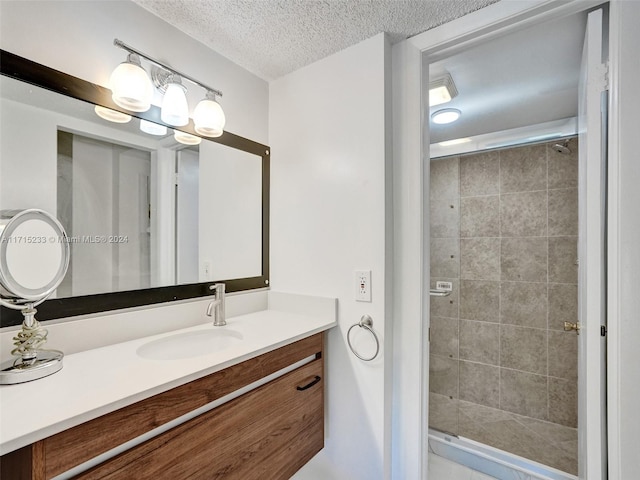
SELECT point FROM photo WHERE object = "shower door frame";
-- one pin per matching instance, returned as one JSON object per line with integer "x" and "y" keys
{"x": 411, "y": 187}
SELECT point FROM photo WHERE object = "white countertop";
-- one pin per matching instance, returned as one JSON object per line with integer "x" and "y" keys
{"x": 98, "y": 381}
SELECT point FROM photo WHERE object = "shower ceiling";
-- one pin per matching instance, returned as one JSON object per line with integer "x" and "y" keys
{"x": 521, "y": 79}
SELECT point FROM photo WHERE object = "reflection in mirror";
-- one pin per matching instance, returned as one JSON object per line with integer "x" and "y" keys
{"x": 108, "y": 201}
{"x": 144, "y": 213}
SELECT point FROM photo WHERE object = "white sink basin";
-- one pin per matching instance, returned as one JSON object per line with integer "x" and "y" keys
{"x": 189, "y": 344}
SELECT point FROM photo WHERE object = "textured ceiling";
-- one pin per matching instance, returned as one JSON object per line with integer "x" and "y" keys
{"x": 274, "y": 37}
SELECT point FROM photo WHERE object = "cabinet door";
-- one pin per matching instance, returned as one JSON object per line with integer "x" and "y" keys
{"x": 268, "y": 433}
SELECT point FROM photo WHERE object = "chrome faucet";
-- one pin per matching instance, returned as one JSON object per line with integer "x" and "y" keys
{"x": 216, "y": 308}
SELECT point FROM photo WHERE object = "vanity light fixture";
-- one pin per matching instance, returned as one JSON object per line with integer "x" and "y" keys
{"x": 446, "y": 115}
{"x": 130, "y": 86}
{"x": 186, "y": 138}
{"x": 175, "y": 110}
{"x": 442, "y": 90}
{"x": 209, "y": 118}
{"x": 112, "y": 115}
{"x": 152, "y": 128}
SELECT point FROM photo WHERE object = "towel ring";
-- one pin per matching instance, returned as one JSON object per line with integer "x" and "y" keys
{"x": 366, "y": 322}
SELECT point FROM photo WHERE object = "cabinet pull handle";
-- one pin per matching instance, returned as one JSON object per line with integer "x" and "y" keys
{"x": 309, "y": 385}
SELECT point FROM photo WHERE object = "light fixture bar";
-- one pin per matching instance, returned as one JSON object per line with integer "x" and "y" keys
{"x": 124, "y": 46}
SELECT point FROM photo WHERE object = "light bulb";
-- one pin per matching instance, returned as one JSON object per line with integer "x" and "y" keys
{"x": 447, "y": 115}
{"x": 130, "y": 86}
{"x": 186, "y": 138}
{"x": 112, "y": 115}
{"x": 175, "y": 110}
{"x": 208, "y": 117}
{"x": 152, "y": 128}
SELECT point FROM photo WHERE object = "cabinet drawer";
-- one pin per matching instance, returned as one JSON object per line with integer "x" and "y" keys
{"x": 61, "y": 452}
{"x": 268, "y": 433}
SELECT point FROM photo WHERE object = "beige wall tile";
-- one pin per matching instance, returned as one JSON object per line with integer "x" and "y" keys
{"x": 502, "y": 310}
{"x": 479, "y": 174}
{"x": 563, "y": 256}
{"x": 443, "y": 375}
{"x": 523, "y": 393}
{"x": 480, "y": 216}
{"x": 524, "y": 259}
{"x": 443, "y": 413}
{"x": 563, "y": 402}
{"x": 551, "y": 432}
{"x": 445, "y": 257}
{"x": 444, "y": 178}
{"x": 479, "y": 383}
{"x": 480, "y": 300}
{"x": 523, "y": 169}
{"x": 563, "y": 212}
{"x": 523, "y": 214}
{"x": 444, "y": 337}
{"x": 445, "y": 218}
{"x": 480, "y": 258}
{"x": 523, "y": 348}
{"x": 563, "y": 354}
{"x": 523, "y": 303}
{"x": 563, "y": 304}
{"x": 479, "y": 342}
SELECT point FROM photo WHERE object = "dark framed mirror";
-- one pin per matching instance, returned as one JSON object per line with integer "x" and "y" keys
{"x": 149, "y": 220}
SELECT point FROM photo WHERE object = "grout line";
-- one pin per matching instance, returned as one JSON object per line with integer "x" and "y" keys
{"x": 547, "y": 355}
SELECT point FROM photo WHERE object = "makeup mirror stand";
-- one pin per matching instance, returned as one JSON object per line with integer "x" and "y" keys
{"x": 32, "y": 361}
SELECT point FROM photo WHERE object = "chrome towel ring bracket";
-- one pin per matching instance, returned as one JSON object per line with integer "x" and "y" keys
{"x": 365, "y": 322}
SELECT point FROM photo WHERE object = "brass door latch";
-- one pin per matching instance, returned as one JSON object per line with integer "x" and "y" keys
{"x": 568, "y": 326}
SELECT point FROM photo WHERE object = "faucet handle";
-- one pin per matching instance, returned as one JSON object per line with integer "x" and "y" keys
{"x": 218, "y": 305}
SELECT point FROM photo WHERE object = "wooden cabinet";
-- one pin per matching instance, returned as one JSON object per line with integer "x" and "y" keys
{"x": 267, "y": 433}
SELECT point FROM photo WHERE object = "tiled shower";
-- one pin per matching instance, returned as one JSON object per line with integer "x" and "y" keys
{"x": 503, "y": 371}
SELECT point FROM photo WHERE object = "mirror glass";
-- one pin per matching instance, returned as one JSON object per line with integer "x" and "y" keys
{"x": 142, "y": 211}
{"x": 34, "y": 255}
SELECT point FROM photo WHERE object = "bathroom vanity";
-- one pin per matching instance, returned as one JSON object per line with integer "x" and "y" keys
{"x": 252, "y": 407}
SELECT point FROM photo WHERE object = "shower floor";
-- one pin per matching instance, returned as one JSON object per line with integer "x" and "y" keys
{"x": 543, "y": 442}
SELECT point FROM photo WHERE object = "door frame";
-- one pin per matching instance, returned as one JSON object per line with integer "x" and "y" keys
{"x": 411, "y": 188}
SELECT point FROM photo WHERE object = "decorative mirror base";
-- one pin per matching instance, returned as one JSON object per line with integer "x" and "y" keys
{"x": 18, "y": 371}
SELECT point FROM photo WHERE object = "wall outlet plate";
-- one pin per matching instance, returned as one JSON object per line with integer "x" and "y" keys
{"x": 363, "y": 285}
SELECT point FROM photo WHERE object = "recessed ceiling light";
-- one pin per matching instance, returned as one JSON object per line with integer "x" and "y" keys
{"x": 441, "y": 90}
{"x": 446, "y": 115}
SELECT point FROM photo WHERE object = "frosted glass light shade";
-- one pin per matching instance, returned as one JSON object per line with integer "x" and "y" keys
{"x": 130, "y": 86}
{"x": 152, "y": 128}
{"x": 175, "y": 110}
{"x": 186, "y": 138}
{"x": 446, "y": 115}
{"x": 208, "y": 117}
{"x": 112, "y": 115}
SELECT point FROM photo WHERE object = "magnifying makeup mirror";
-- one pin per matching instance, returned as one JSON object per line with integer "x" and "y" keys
{"x": 34, "y": 257}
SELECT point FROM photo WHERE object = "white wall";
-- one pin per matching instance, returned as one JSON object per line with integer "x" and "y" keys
{"x": 328, "y": 199}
